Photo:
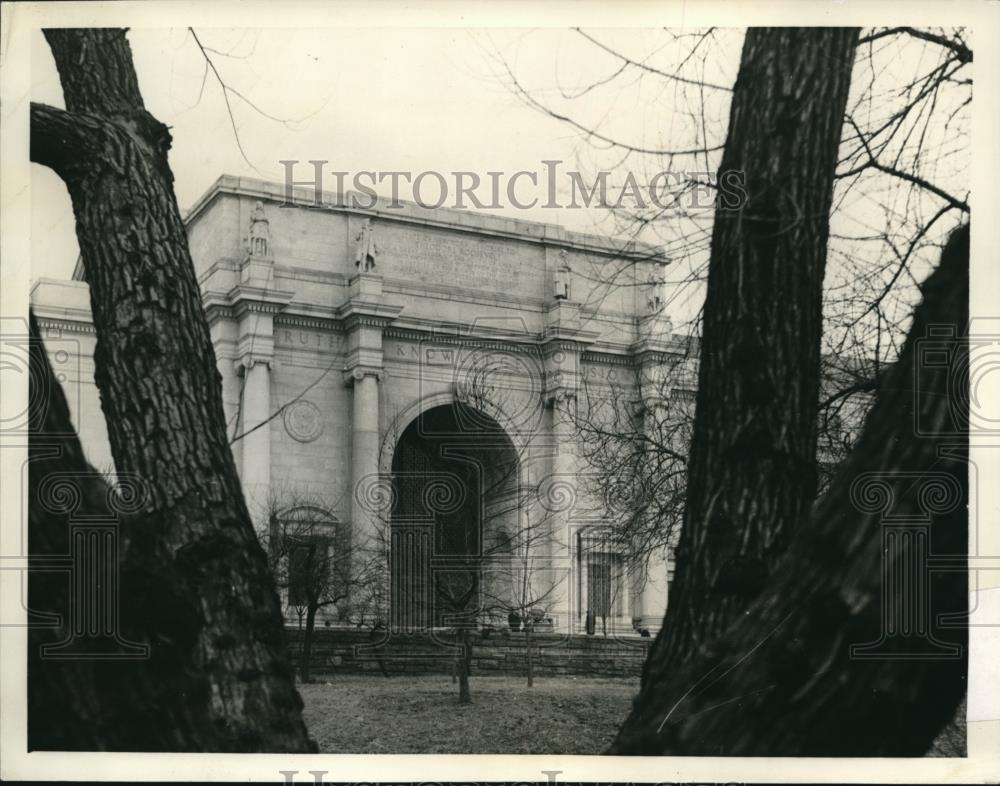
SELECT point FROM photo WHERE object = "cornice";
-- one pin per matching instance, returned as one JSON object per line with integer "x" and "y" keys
{"x": 65, "y": 323}
{"x": 218, "y": 312}
{"x": 222, "y": 264}
{"x": 417, "y": 335}
{"x": 367, "y": 313}
{"x": 568, "y": 340}
{"x": 646, "y": 355}
{"x": 449, "y": 219}
{"x": 666, "y": 344}
{"x": 608, "y": 359}
{"x": 286, "y": 319}
{"x": 255, "y": 300}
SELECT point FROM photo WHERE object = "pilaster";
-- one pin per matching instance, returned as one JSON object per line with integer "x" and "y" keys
{"x": 254, "y": 309}
{"x": 365, "y": 317}
{"x": 563, "y": 344}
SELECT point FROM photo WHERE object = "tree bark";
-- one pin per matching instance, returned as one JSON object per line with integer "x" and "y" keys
{"x": 833, "y": 659}
{"x": 90, "y": 702}
{"x": 529, "y": 653}
{"x": 752, "y": 468}
{"x": 305, "y": 672}
{"x": 193, "y": 540}
{"x": 464, "y": 666}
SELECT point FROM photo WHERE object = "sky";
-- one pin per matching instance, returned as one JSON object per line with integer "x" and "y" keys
{"x": 442, "y": 99}
{"x": 385, "y": 99}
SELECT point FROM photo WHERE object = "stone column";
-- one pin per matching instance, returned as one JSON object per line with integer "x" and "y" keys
{"x": 364, "y": 454}
{"x": 254, "y": 362}
{"x": 255, "y": 466}
{"x": 563, "y": 494}
{"x": 560, "y": 492}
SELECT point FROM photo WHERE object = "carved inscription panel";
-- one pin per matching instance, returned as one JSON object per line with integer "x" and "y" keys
{"x": 457, "y": 259}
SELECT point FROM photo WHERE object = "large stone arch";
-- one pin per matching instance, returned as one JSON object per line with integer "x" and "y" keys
{"x": 520, "y": 439}
{"x": 455, "y": 504}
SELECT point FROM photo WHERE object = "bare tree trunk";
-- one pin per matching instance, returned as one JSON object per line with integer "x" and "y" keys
{"x": 752, "y": 467}
{"x": 464, "y": 666}
{"x": 529, "y": 637}
{"x": 831, "y": 632}
{"x": 95, "y": 703}
{"x": 305, "y": 672}
{"x": 376, "y": 635}
{"x": 193, "y": 542}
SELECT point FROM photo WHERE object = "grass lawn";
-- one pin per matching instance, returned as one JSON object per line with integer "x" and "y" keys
{"x": 421, "y": 714}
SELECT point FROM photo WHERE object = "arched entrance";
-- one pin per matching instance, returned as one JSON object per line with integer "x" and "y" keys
{"x": 455, "y": 478}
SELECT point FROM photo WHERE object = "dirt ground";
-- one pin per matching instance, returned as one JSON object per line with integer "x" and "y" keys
{"x": 567, "y": 715}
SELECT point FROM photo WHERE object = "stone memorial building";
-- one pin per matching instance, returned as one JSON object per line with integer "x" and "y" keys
{"x": 417, "y": 372}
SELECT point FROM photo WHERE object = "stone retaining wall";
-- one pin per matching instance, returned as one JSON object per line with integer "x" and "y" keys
{"x": 351, "y": 651}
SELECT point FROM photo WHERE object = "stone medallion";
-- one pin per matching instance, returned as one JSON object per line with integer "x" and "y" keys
{"x": 302, "y": 421}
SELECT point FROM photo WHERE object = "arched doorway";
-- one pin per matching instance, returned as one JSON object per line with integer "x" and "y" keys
{"x": 455, "y": 478}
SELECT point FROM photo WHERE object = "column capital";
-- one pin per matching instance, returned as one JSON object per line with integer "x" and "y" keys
{"x": 358, "y": 373}
{"x": 562, "y": 400}
{"x": 249, "y": 360}
{"x": 561, "y": 372}
{"x": 559, "y": 395}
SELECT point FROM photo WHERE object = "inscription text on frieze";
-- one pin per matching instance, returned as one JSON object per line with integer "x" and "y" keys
{"x": 477, "y": 263}
{"x": 303, "y": 338}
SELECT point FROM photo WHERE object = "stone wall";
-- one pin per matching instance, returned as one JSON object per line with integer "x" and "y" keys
{"x": 355, "y": 652}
